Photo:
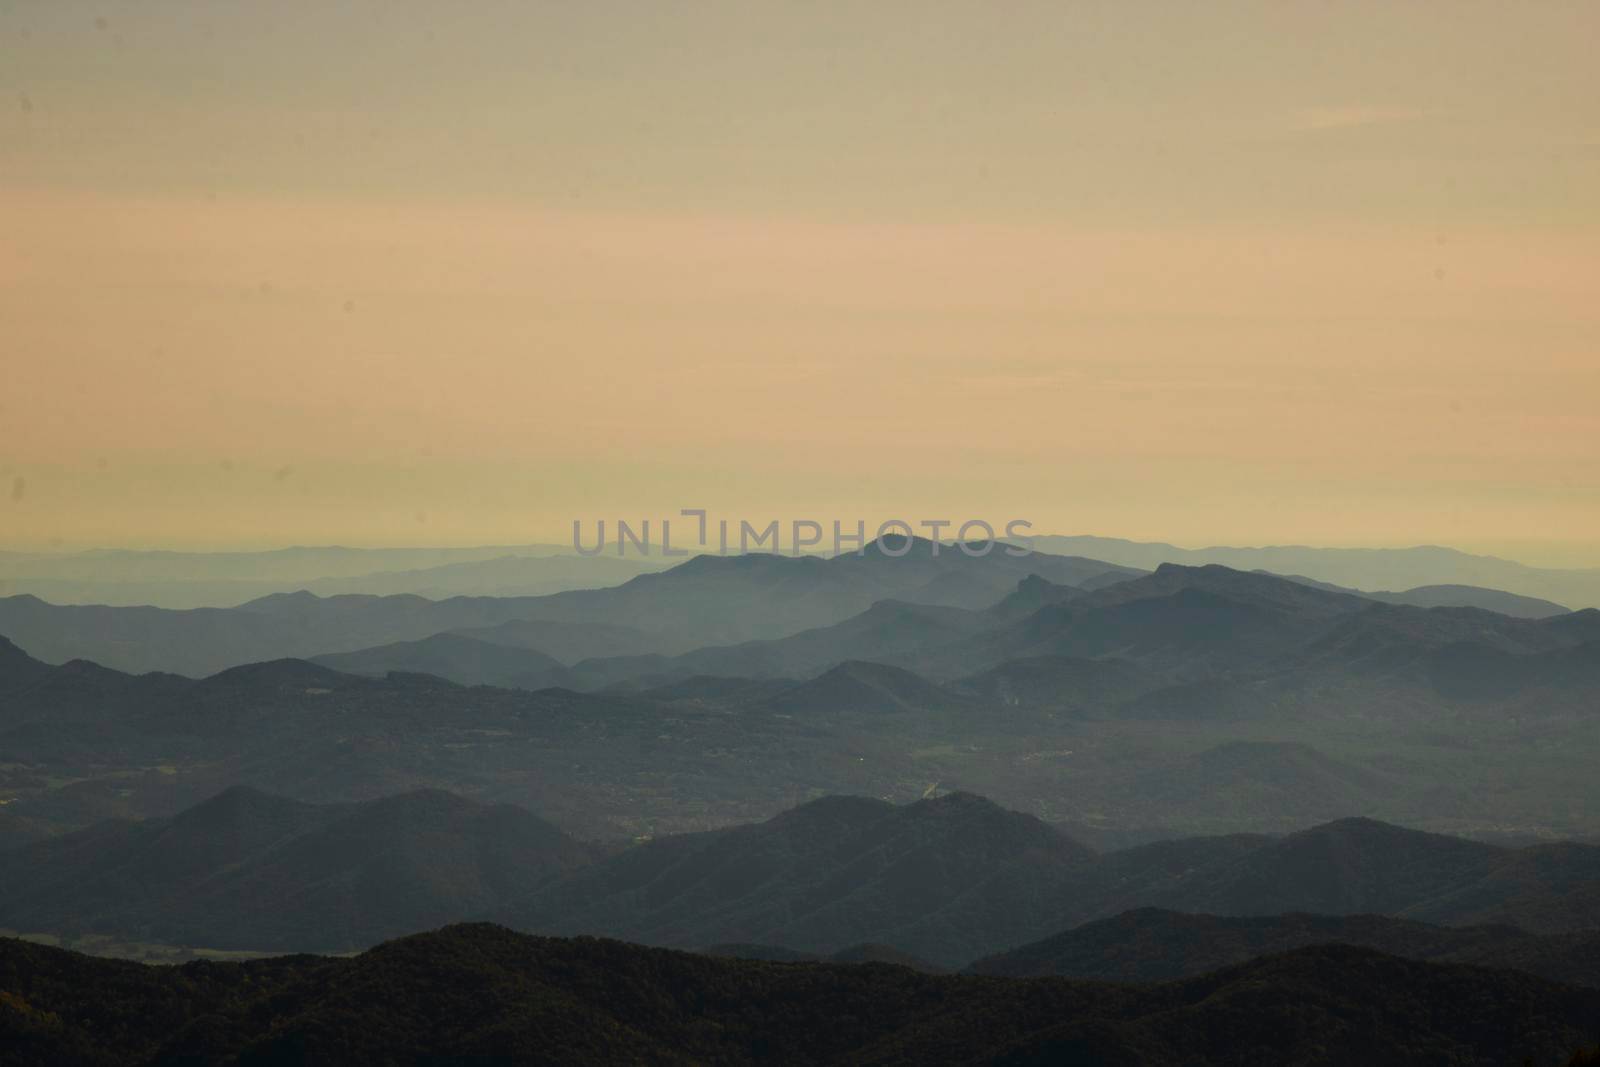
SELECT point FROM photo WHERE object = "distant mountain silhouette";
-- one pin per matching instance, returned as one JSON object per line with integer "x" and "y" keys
{"x": 1449, "y": 596}
{"x": 248, "y": 870}
{"x": 864, "y": 688}
{"x": 946, "y": 879}
{"x": 452, "y": 656}
{"x": 704, "y": 600}
{"x": 505, "y": 575}
{"x": 182, "y": 580}
{"x": 1388, "y": 704}
{"x": 726, "y": 599}
{"x": 1471, "y": 596}
{"x": 284, "y": 675}
{"x": 202, "y": 641}
{"x": 1387, "y": 637}
{"x": 1034, "y": 592}
{"x": 1176, "y": 621}
{"x": 888, "y": 630}
{"x": 1340, "y": 868}
{"x": 1214, "y": 644}
{"x": 566, "y": 641}
{"x": 1349, "y": 866}
{"x": 1357, "y": 568}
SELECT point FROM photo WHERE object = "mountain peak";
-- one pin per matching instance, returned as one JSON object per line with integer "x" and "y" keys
{"x": 282, "y": 672}
{"x": 720, "y": 563}
{"x": 281, "y": 600}
{"x": 864, "y": 668}
{"x": 998, "y": 826}
{"x": 1367, "y": 831}
{"x": 838, "y": 808}
{"x": 1256, "y": 586}
{"x": 866, "y": 687}
{"x": 1032, "y": 593}
{"x": 894, "y": 545}
{"x": 1032, "y": 585}
{"x": 239, "y": 799}
{"x": 1344, "y": 867}
{"x": 960, "y": 800}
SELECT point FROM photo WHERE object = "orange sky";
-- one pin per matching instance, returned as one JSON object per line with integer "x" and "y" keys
{"x": 1284, "y": 273}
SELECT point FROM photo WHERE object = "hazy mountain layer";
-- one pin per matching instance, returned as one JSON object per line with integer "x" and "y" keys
{"x": 941, "y": 879}
{"x": 181, "y": 580}
{"x": 247, "y": 870}
{"x": 1190, "y": 700}
{"x": 452, "y": 656}
{"x": 946, "y": 880}
{"x": 1358, "y": 568}
{"x": 950, "y": 879}
{"x": 705, "y": 600}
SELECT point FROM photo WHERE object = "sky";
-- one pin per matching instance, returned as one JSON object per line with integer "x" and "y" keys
{"x": 410, "y": 273}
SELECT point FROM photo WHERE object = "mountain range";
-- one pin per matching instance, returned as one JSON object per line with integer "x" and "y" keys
{"x": 1180, "y": 702}
{"x": 704, "y": 600}
{"x": 947, "y": 880}
{"x": 180, "y": 580}
{"x": 1180, "y": 621}
{"x": 1446, "y": 577}
{"x": 1374, "y": 569}
{"x": 952, "y": 878}
{"x": 939, "y": 878}
{"x": 248, "y": 870}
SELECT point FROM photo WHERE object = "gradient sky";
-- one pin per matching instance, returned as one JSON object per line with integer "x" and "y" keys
{"x": 406, "y": 273}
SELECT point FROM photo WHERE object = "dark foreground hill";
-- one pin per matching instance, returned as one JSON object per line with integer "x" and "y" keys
{"x": 1348, "y": 867}
{"x": 1154, "y": 945}
{"x": 483, "y": 994}
{"x": 863, "y": 953}
{"x": 248, "y": 870}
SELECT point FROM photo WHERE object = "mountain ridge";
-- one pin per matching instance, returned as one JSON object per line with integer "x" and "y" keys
{"x": 482, "y": 992}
